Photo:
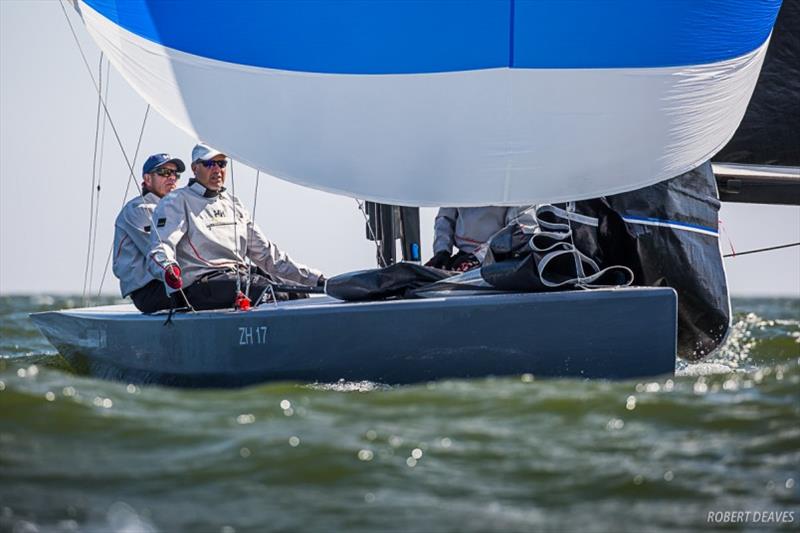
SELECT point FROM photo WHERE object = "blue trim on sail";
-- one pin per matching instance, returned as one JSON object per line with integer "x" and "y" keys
{"x": 424, "y": 36}
{"x": 672, "y": 224}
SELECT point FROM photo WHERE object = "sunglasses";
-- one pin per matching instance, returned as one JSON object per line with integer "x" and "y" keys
{"x": 167, "y": 172}
{"x": 211, "y": 162}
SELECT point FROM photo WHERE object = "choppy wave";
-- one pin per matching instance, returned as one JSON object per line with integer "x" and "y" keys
{"x": 518, "y": 454}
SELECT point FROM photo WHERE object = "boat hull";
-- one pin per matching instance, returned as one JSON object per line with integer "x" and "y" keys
{"x": 613, "y": 334}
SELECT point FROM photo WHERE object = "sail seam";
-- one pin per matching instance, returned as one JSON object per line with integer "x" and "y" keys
{"x": 512, "y": 4}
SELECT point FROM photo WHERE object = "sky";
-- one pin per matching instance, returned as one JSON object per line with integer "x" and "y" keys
{"x": 48, "y": 109}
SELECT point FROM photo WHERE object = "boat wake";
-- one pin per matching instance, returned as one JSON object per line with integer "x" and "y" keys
{"x": 742, "y": 352}
{"x": 349, "y": 386}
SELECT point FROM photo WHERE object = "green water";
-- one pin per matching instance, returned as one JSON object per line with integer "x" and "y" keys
{"x": 516, "y": 454}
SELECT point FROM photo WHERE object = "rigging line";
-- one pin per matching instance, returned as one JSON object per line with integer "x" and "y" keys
{"x": 236, "y": 232}
{"x": 369, "y": 228}
{"x": 99, "y": 177}
{"x": 124, "y": 196}
{"x": 91, "y": 194}
{"x": 770, "y": 248}
{"x": 253, "y": 216}
{"x": 111, "y": 122}
{"x": 722, "y": 232}
{"x": 97, "y": 88}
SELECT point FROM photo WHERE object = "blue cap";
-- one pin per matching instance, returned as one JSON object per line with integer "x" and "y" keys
{"x": 157, "y": 160}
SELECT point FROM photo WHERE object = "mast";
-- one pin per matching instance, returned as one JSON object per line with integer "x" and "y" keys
{"x": 385, "y": 224}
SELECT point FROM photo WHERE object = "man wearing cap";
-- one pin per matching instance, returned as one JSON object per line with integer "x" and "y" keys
{"x": 205, "y": 234}
{"x": 132, "y": 234}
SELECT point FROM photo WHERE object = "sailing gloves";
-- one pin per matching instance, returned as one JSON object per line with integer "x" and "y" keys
{"x": 439, "y": 260}
{"x": 172, "y": 277}
{"x": 463, "y": 262}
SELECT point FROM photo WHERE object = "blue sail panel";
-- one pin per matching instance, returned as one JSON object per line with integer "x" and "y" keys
{"x": 426, "y": 36}
{"x": 638, "y": 33}
{"x": 414, "y": 103}
{"x": 337, "y": 37}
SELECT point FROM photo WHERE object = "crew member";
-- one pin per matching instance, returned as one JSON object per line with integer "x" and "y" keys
{"x": 468, "y": 229}
{"x": 132, "y": 229}
{"x": 204, "y": 235}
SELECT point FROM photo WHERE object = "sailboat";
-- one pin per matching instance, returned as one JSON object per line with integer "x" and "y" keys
{"x": 496, "y": 102}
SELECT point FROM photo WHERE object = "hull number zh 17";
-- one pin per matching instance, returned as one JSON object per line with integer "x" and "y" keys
{"x": 249, "y": 335}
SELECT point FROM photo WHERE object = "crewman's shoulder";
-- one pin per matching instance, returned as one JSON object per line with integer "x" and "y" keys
{"x": 176, "y": 197}
{"x": 135, "y": 209}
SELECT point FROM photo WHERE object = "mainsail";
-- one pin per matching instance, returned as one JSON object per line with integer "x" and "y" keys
{"x": 447, "y": 102}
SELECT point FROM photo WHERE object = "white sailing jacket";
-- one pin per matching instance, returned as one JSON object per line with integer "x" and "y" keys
{"x": 196, "y": 229}
{"x": 132, "y": 243}
{"x": 467, "y": 228}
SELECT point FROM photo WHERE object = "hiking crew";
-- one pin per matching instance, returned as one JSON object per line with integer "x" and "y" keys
{"x": 132, "y": 229}
{"x": 203, "y": 235}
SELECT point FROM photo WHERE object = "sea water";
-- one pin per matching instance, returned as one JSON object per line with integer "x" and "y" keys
{"x": 716, "y": 446}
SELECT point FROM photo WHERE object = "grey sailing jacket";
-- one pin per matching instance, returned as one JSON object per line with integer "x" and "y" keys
{"x": 132, "y": 243}
{"x": 196, "y": 231}
{"x": 467, "y": 228}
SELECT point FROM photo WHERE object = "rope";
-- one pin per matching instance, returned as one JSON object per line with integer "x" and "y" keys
{"x": 763, "y": 249}
{"x": 236, "y": 232}
{"x": 111, "y": 121}
{"x": 99, "y": 177}
{"x": 379, "y": 253}
{"x": 125, "y": 196}
{"x": 97, "y": 89}
{"x": 581, "y": 281}
{"x": 255, "y": 204}
{"x": 94, "y": 180}
{"x": 723, "y": 231}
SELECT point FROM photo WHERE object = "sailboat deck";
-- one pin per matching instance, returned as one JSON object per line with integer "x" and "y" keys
{"x": 128, "y": 311}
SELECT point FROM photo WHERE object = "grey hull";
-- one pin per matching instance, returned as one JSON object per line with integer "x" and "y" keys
{"x": 615, "y": 334}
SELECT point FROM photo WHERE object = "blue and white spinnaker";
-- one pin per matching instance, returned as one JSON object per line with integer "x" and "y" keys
{"x": 447, "y": 102}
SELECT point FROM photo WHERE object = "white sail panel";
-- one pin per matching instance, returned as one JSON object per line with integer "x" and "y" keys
{"x": 499, "y": 136}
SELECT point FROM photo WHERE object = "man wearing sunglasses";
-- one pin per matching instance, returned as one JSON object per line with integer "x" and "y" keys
{"x": 205, "y": 235}
{"x": 132, "y": 230}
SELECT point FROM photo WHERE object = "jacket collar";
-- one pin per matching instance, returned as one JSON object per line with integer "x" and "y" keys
{"x": 147, "y": 194}
{"x": 200, "y": 189}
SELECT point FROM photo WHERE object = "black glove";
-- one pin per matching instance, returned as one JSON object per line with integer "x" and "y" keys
{"x": 463, "y": 262}
{"x": 439, "y": 260}
{"x": 321, "y": 281}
